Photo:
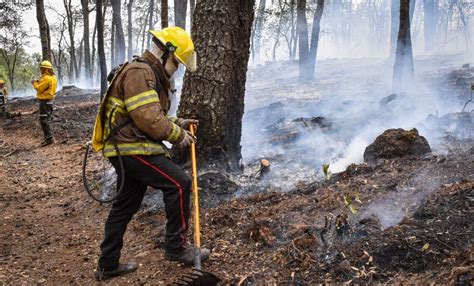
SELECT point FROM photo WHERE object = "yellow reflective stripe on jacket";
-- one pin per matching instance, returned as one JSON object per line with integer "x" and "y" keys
{"x": 116, "y": 101}
{"x": 172, "y": 119}
{"x": 111, "y": 106}
{"x": 175, "y": 132}
{"x": 138, "y": 148}
{"x": 141, "y": 99}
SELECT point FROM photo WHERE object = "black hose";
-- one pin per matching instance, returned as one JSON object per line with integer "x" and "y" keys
{"x": 122, "y": 170}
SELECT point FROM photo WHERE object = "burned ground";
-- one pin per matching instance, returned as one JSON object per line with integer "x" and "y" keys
{"x": 406, "y": 220}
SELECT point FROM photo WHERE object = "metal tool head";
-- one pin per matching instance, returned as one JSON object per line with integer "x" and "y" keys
{"x": 198, "y": 277}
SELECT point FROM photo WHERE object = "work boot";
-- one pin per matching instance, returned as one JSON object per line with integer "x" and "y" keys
{"x": 47, "y": 142}
{"x": 122, "y": 269}
{"x": 187, "y": 255}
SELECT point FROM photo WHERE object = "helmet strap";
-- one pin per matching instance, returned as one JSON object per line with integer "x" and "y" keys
{"x": 169, "y": 50}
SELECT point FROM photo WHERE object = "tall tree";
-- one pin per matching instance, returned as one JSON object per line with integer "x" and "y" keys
{"x": 119, "y": 36}
{"x": 395, "y": 23}
{"x": 403, "y": 70}
{"x": 180, "y": 7}
{"x": 430, "y": 23}
{"x": 315, "y": 30}
{"x": 257, "y": 30}
{"x": 73, "y": 69}
{"x": 302, "y": 30}
{"x": 129, "y": 29}
{"x": 308, "y": 50}
{"x": 100, "y": 47}
{"x": 44, "y": 30}
{"x": 87, "y": 49}
{"x": 151, "y": 8}
{"x": 214, "y": 94}
{"x": 164, "y": 14}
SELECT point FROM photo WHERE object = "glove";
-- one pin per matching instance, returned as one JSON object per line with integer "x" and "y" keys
{"x": 185, "y": 123}
{"x": 187, "y": 140}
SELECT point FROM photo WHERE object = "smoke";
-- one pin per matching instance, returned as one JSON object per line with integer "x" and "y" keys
{"x": 353, "y": 99}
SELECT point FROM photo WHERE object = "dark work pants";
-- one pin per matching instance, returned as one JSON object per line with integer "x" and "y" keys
{"x": 3, "y": 106}
{"x": 45, "y": 114}
{"x": 158, "y": 172}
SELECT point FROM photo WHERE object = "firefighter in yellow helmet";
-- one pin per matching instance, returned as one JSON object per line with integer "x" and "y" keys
{"x": 45, "y": 93}
{"x": 3, "y": 99}
{"x": 133, "y": 123}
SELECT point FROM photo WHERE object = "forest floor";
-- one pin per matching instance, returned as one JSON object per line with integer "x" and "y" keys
{"x": 406, "y": 220}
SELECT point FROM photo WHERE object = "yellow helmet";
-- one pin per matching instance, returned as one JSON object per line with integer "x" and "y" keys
{"x": 46, "y": 65}
{"x": 2, "y": 82}
{"x": 181, "y": 39}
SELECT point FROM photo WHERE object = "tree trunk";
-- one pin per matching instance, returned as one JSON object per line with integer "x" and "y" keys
{"x": 87, "y": 50}
{"x": 100, "y": 48}
{"x": 129, "y": 29}
{"x": 430, "y": 23}
{"x": 74, "y": 72}
{"x": 214, "y": 94}
{"x": 44, "y": 30}
{"x": 260, "y": 18}
{"x": 313, "y": 51}
{"x": 277, "y": 40}
{"x": 164, "y": 14}
{"x": 302, "y": 30}
{"x": 112, "y": 45}
{"x": 293, "y": 39}
{"x": 403, "y": 70}
{"x": 180, "y": 8}
{"x": 150, "y": 22}
{"x": 119, "y": 36}
{"x": 395, "y": 23}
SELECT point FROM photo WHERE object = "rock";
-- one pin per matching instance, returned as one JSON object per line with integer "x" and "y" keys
{"x": 217, "y": 183}
{"x": 344, "y": 265}
{"x": 396, "y": 143}
{"x": 142, "y": 254}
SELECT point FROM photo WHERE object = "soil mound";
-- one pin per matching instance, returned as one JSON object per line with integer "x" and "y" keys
{"x": 396, "y": 143}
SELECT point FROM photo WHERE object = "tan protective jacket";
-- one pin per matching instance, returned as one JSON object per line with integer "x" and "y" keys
{"x": 134, "y": 93}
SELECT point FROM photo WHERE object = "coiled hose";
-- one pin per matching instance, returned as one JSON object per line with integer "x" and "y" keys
{"x": 122, "y": 169}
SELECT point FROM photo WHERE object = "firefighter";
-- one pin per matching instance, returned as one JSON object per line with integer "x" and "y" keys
{"x": 3, "y": 99}
{"x": 133, "y": 123}
{"x": 45, "y": 93}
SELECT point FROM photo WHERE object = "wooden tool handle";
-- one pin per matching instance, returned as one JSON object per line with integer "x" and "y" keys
{"x": 197, "y": 226}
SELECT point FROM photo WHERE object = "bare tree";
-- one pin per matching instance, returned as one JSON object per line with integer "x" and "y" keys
{"x": 100, "y": 48}
{"x": 164, "y": 14}
{"x": 119, "y": 36}
{"x": 395, "y": 23}
{"x": 129, "y": 29}
{"x": 71, "y": 18}
{"x": 214, "y": 94}
{"x": 308, "y": 50}
{"x": 180, "y": 8}
{"x": 44, "y": 30}
{"x": 430, "y": 23}
{"x": 87, "y": 49}
{"x": 302, "y": 30}
{"x": 257, "y": 30}
{"x": 59, "y": 29}
{"x": 403, "y": 70}
{"x": 151, "y": 8}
